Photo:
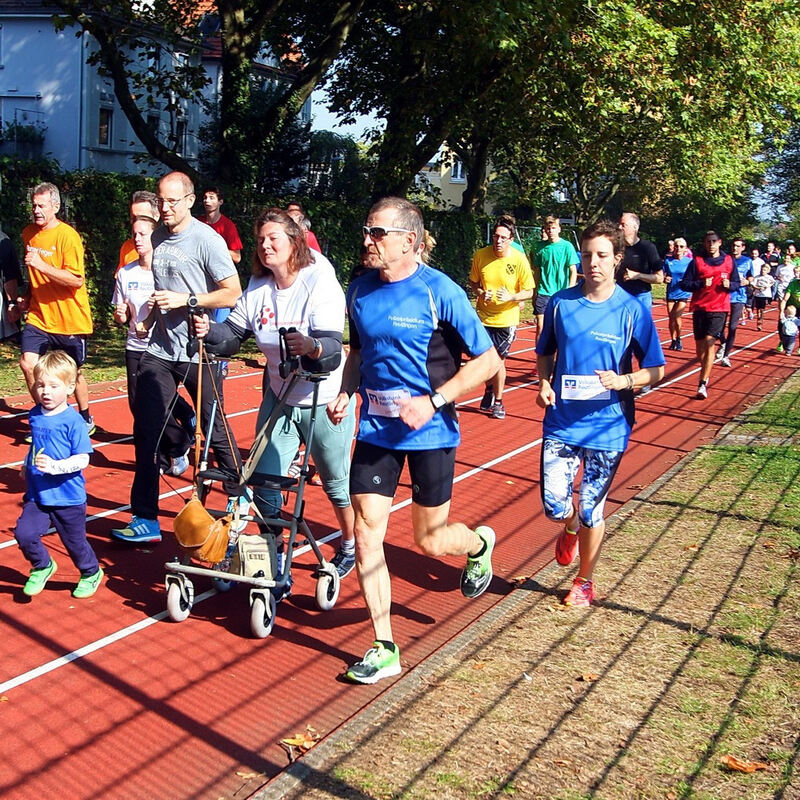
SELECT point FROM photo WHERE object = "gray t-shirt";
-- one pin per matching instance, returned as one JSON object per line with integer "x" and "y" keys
{"x": 195, "y": 260}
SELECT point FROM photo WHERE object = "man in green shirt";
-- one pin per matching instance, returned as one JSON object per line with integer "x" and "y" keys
{"x": 555, "y": 267}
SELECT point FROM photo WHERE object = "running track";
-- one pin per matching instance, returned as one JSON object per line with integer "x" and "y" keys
{"x": 107, "y": 698}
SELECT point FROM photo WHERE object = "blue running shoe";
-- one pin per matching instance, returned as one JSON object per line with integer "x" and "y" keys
{"x": 138, "y": 531}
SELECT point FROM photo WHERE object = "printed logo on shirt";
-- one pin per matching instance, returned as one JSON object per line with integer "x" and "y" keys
{"x": 609, "y": 338}
{"x": 266, "y": 318}
{"x": 406, "y": 322}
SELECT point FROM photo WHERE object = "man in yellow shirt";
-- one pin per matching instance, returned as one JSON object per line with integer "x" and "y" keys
{"x": 59, "y": 317}
{"x": 501, "y": 278}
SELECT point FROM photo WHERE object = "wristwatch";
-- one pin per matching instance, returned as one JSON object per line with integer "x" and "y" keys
{"x": 191, "y": 303}
{"x": 437, "y": 400}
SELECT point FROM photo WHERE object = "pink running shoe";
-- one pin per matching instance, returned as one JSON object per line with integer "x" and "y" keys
{"x": 566, "y": 547}
{"x": 581, "y": 595}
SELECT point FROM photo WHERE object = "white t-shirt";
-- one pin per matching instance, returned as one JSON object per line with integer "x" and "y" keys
{"x": 315, "y": 301}
{"x": 133, "y": 286}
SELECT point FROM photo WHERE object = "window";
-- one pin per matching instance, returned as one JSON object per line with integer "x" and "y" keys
{"x": 180, "y": 136}
{"x": 458, "y": 174}
{"x": 154, "y": 123}
{"x": 104, "y": 131}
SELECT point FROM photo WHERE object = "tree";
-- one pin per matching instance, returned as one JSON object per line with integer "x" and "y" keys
{"x": 424, "y": 68}
{"x": 651, "y": 92}
{"x": 129, "y": 35}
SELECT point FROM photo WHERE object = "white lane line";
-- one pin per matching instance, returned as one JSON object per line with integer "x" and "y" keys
{"x": 123, "y": 396}
{"x": 117, "y": 636}
{"x": 86, "y": 650}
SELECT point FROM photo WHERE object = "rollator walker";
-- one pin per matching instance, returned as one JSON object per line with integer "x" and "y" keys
{"x": 219, "y": 537}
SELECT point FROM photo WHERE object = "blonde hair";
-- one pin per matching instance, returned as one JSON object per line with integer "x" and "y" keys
{"x": 59, "y": 364}
{"x": 428, "y": 243}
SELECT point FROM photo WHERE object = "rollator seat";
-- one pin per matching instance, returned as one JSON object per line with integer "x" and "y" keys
{"x": 217, "y": 474}
{"x": 278, "y": 483}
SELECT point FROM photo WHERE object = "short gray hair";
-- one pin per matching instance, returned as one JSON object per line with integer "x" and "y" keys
{"x": 51, "y": 189}
{"x": 407, "y": 216}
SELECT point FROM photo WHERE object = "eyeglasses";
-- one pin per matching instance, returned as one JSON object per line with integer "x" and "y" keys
{"x": 498, "y": 238}
{"x": 166, "y": 201}
{"x": 377, "y": 232}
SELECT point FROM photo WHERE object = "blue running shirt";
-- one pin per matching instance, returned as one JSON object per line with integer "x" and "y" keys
{"x": 746, "y": 270}
{"x": 587, "y": 336}
{"x": 411, "y": 334}
{"x": 59, "y": 436}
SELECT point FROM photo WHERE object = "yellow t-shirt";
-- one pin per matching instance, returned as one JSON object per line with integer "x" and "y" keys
{"x": 513, "y": 271}
{"x": 54, "y": 307}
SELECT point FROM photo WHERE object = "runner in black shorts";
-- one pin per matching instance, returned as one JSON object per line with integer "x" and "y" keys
{"x": 409, "y": 324}
{"x": 376, "y": 470}
{"x": 710, "y": 277}
{"x": 708, "y": 323}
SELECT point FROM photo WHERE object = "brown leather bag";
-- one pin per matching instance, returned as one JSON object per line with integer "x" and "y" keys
{"x": 197, "y": 531}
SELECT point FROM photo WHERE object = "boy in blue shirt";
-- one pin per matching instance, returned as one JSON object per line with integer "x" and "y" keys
{"x": 586, "y": 384}
{"x": 56, "y": 493}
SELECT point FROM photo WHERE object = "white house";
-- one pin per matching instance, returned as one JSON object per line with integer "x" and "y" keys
{"x": 49, "y": 93}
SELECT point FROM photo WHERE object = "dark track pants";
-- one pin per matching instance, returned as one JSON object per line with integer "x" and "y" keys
{"x": 156, "y": 385}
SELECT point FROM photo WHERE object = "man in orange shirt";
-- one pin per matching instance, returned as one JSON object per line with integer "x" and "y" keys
{"x": 57, "y": 302}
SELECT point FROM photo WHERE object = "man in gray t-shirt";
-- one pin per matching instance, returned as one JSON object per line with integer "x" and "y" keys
{"x": 192, "y": 269}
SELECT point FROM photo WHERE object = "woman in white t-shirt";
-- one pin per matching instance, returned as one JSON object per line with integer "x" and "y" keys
{"x": 132, "y": 299}
{"x": 294, "y": 287}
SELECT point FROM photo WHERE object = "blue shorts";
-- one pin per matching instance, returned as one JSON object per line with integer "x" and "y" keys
{"x": 502, "y": 338}
{"x": 560, "y": 463}
{"x": 35, "y": 340}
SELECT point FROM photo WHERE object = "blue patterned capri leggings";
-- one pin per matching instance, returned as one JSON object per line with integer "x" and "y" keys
{"x": 560, "y": 463}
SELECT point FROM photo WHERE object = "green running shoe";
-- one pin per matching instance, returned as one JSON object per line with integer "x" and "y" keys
{"x": 38, "y": 578}
{"x": 477, "y": 573}
{"x": 88, "y": 585}
{"x": 378, "y": 662}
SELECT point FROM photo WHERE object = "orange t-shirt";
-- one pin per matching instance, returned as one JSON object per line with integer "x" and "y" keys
{"x": 54, "y": 307}
{"x": 127, "y": 254}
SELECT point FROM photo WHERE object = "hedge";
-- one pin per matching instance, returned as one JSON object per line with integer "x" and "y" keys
{"x": 96, "y": 204}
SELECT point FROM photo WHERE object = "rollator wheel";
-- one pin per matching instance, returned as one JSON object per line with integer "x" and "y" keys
{"x": 262, "y": 615}
{"x": 179, "y": 599}
{"x": 327, "y": 592}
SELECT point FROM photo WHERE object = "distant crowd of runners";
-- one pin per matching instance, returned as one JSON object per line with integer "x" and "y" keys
{"x": 417, "y": 344}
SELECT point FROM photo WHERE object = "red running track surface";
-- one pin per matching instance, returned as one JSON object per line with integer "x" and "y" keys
{"x": 107, "y": 698}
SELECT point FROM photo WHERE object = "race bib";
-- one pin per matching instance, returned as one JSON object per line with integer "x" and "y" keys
{"x": 386, "y": 403}
{"x": 583, "y": 387}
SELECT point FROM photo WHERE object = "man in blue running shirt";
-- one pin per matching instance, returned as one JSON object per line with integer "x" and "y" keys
{"x": 409, "y": 325}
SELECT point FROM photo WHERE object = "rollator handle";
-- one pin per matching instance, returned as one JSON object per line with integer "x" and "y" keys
{"x": 289, "y": 364}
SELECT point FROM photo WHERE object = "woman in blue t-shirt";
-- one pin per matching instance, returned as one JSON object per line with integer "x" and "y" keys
{"x": 586, "y": 383}
{"x": 675, "y": 265}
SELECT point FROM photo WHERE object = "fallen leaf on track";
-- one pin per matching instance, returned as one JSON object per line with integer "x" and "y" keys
{"x": 248, "y": 775}
{"x": 768, "y": 543}
{"x": 519, "y": 580}
{"x": 562, "y": 762}
{"x": 737, "y": 765}
{"x": 588, "y": 677}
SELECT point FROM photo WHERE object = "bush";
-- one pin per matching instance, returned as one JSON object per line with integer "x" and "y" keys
{"x": 96, "y": 204}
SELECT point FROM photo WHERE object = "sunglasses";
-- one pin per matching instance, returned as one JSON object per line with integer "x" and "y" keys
{"x": 377, "y": 232}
